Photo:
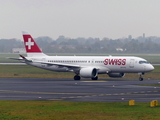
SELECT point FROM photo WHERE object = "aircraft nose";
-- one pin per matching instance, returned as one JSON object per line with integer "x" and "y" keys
{"x": 150, "y": 68}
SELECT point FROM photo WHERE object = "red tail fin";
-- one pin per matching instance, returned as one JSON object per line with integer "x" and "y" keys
{"x": 30, "y": 44}
{"x": 32, "y": 48}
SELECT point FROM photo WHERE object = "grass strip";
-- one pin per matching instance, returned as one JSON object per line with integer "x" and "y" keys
{"x": 59, "y": 110}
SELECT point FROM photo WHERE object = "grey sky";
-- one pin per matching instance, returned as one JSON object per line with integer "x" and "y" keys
{"x": 80, "y": 18}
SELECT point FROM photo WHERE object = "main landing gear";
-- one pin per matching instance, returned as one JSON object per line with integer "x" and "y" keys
{"x": 141, "y": 76}
{"x": 77, "y": 77}
{"x": 95, "y": 78}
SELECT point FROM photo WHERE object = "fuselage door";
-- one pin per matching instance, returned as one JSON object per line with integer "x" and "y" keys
{"x": 131, "y": 65}
{"x": 92, "y": 61}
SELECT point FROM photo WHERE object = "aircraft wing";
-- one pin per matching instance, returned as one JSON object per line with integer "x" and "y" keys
{"x": 62, "y": 65}
{"x": 71, "y": 66}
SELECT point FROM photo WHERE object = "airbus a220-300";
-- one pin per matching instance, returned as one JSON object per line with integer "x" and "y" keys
{"x": 84, "y": 66}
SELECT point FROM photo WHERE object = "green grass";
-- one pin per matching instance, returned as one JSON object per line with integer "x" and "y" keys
{"x": 26, "y": 71}
{"x": 58, "y": 110}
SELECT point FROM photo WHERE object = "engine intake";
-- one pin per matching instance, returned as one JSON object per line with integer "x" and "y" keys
{"x": 116, "y": 74}
{"x": 88, "y": 72}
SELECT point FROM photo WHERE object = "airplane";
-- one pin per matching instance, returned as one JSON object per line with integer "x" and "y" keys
{"x": 83, "y": 66}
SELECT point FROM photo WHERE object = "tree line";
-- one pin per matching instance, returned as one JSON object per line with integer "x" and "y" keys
{"x": 88, "y": 45}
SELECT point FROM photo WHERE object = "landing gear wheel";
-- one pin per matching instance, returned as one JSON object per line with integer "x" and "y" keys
{"x": 140, "y": 79}
{"x": 77, "y": 77}
{"x": 95, "y": 78}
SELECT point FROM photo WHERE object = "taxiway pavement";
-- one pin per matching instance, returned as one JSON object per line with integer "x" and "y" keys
{"x": 85, "y": 90}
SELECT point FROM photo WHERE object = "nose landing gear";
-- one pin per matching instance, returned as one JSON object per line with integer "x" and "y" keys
{"x": 141, "y": 76}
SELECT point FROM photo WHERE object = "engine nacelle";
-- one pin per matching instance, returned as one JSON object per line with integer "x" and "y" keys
{"x": 116, "y": 74}
{"x": 88, "y": 72}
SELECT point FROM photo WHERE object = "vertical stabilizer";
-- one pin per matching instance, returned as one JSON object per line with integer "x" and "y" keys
{"x": 32, "y": 48}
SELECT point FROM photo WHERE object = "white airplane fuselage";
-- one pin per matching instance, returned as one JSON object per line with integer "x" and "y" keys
{"x": 108, "y": 64}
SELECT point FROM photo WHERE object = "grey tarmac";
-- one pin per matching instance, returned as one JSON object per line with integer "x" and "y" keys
{"x": 106, "y": 90}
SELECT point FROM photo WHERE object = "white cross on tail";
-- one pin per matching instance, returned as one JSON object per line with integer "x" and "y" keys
{"x": 29, "y": 43}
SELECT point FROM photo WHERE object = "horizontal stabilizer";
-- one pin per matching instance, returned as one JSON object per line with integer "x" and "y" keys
{"x": 15, "y": 58}
{"x": 21, "y": 58}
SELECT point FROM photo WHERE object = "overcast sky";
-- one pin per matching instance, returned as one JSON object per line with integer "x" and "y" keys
{"x": 79, "y": 18}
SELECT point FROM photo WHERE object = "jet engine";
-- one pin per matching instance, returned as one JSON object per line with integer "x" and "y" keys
{"x": 116, "y": 74}
{"x": 88, "y": 72}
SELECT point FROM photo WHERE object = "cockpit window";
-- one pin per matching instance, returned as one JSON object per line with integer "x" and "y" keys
{"x": 144, "y": 62}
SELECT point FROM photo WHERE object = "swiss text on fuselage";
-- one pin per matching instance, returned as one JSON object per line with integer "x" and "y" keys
{"x": 115, "y": 62}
